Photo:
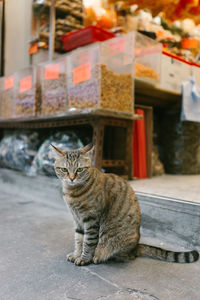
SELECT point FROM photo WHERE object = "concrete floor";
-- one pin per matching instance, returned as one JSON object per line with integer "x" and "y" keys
{"x": 36, "y": 232}
{"x": 182, "y": 187}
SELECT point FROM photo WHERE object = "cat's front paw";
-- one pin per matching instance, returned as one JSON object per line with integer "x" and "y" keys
{"x": 82, "y": 261}
{"x": 72, "y": 257}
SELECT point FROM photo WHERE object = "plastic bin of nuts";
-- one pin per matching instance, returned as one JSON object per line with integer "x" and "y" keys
{"x": 6, "y": 97}
{"x": 26, "y": 93}
{"x": 52, "y": 76}
{"x": 101, "y": 75}
{"x": 147, "y": 58}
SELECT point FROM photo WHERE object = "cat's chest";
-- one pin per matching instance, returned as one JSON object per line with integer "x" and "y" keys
{"x": 82, "y": 207}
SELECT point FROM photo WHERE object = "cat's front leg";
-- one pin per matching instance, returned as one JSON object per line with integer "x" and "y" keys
{"x": 90, "y": 241}
{"x": 78, "y": 246}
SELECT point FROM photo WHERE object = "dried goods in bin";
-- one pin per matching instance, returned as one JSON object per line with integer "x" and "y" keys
{"x": 100, "y": 78}
{"x": 147, "y": 58}
{"x": 53, "y": 88}
{"x": 144, "y": 71}
{"x": 6, "y": 97}
{"x": 27, "y": 93}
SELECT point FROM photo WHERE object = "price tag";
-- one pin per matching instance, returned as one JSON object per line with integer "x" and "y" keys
{"x": 8, "y": 82}
{"x": 82, "y": 73}
{"x": 25, "y": 84}
{"x": 51, "y": 71}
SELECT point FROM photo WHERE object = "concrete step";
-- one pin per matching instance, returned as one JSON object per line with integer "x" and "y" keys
{"x": 170, "y": 220}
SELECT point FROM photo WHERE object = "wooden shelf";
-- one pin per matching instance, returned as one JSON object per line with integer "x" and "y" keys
{"x": 64, "y": 9}
{"x": 152, "y": 94}
{"x": 64, "y": 119}
{"x": 99, "y": 120}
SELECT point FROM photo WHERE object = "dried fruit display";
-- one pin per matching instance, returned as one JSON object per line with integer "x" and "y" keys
{"x": 106, "y": 90}
{"x": 26, "y": 93}
{"x": 6, "y": 97}
{"x": 53, "y": 88}
{"x": 144, "y": 71}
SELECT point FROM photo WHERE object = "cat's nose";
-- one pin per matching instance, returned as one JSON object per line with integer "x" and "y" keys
{"x": 71, "y": 176}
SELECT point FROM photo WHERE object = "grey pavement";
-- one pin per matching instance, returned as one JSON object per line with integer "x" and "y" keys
{"x": 36, "y": 233}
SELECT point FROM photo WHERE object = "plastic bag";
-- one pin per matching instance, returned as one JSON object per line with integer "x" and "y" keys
{"x": 44, "y": 161}
{"x": 190, "y": 101}
{"x": 17, "y": 150}
{"x": 157, "y": 165}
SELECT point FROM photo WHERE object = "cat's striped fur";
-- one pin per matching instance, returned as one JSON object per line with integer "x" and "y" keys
{"x": 106, "y": 213}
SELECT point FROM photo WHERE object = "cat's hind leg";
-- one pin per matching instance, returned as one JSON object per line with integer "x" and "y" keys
{"x": 123, "y": 253}
{"x": 102, "y": 253}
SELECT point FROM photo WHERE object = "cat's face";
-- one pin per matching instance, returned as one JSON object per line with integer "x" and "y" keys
{"x": 73, "y": 167}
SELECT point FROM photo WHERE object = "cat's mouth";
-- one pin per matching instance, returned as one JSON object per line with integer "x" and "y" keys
{"x": 71, "y": 182}
{"x": 74, "y": 183}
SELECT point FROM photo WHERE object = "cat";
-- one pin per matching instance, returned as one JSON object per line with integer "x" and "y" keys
{"x": 106, "y": 213}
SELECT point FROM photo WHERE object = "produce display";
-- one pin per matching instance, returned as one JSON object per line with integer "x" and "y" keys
{"x": 69, "y": 17}
{"x": 143, "y": 71}
{"x": 6, "y": 97}
{"x": 147, "y": 58}
{"x": 53, "y": 84}
{"x": 107, "y": 90}
{"x": 101, "y": 76}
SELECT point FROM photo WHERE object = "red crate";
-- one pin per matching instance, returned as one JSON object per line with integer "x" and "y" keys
{"x": 84, "y": 37}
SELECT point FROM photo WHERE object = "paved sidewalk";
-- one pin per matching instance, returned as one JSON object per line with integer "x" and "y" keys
{"x": 36, "y": 232}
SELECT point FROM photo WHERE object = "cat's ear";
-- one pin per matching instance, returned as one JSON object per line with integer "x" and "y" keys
{"x": 57, "y": 152}
{"x": 87, "y": 150}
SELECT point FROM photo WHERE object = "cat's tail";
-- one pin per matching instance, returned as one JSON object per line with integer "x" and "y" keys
{"x": 170, "y": 256}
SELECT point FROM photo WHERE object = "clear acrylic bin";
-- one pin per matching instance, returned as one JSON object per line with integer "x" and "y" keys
{"x": 7, "y": 90}
{"x": 101, "y": 75}
{"x": 26, "y": 93}
{"x": 147, "y": 58}
{"x": 53, "y": 84}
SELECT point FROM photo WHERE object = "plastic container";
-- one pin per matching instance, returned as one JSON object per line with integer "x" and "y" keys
{"x": 147, "y": 58}
{"x": 174, "y": 71}
{"x": 84, "y": 37}
{"x": 53, "y": 84}
{"x": 26, "y": 93}
{"x": 6, "y": 96}
{"x": 101, "y": 75}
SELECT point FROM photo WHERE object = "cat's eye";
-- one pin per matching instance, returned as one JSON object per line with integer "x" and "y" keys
{"x": 64, "y": 170}
{"x": 79, "y": 169}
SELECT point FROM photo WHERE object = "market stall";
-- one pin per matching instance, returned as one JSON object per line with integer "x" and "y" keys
{"x": 105, "y": 60}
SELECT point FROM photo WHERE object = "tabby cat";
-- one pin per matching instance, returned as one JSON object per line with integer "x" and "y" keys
{"x": 106, "y": 213}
